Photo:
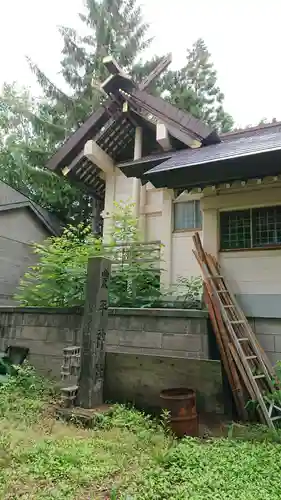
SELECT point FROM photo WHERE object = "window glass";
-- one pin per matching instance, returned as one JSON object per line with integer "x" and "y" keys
{"x": 187, "y": 215}
{"x": 252, "y": 228}
{"x": 235, "y": 229}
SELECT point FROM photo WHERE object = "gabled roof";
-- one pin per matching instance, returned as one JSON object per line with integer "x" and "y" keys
{"x": 236, "y": 158}
{"x": 113, "y": 126}
{"x": 14, "y": 200}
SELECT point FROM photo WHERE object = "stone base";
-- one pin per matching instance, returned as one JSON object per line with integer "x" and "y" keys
{"x": 83, "y": 416}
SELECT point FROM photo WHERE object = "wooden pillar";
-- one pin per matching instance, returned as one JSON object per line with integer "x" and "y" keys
{"x": 136, "y": 182}
{"x": 90, "y": 391}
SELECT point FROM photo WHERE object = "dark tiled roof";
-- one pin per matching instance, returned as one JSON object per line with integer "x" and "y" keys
{"x": 50, "y": 221}
{"x": 264, "y": 128}
{"x": 235, "y": 148}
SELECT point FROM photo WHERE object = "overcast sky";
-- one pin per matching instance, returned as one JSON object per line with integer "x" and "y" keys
{"x": 242, "y": 35}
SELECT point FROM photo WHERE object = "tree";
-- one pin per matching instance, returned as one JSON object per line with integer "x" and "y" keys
{"x": 31, "y": 130}
{"x": 27, "y": 139}
{"x": 194, "y": 88}
{"x": 59, "y": 277}
{"x": 112, "y": 27}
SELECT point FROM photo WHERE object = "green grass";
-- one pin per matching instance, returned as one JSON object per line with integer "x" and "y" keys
{"x": 125, "y": 457}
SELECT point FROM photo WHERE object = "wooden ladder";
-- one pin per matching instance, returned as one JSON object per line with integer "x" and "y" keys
{"x": 252, "y": 363}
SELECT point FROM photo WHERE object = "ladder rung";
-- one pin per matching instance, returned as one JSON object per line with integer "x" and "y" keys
{"x": 259, "y": 376}
{"x": 236, "y": 322}
{"x": 251, "y": 357}
{"x": 218, "y": 276}
{"x": 228, "y": 306}
{"x": 243, "y": 340}
{"x": 222, "y": 291}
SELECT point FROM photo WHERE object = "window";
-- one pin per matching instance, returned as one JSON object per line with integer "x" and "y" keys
{"x": 187, "y": 215}
{"x": 253, "y": 228}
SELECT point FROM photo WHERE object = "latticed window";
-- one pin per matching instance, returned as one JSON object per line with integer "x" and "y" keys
{"x": 252, "y": 228}
{"x": 187, "y": 215}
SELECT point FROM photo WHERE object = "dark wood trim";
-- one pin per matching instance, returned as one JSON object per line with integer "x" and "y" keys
{"x": 253, "y": 249}
{"x": 174, "y": 116}
{"x": 196, "y": 229}
{"x": 73, "y": 146}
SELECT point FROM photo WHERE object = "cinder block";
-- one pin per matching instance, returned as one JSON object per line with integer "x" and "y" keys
{"x": 189, "y": 343}
{"x": 267, "y": 342}
{"x": 267, "y": 326}
{"x": 142, "y": 339}
{"x": 277, "y": 339}
{"x": 166, "y": 324}
{"x": 274, "y": 357}
{"x": 33, "y": 333}
{"x": 9, "y": 332}
{"x": 11, "y": 319}
{"x": 40, "y": 347}
{"x": 149, "y": 352}
{"x": 111, "y": 323}
{"x": 133, "y": 323}
{"x": 112, "y": 337}
{"x": 205, "y": 346}
{"x": 197, "y": 326}
{"x": 60, "y": 335}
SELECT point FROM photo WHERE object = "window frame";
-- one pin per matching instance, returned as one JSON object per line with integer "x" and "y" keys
{"x": 253, "y": 229}
{"x": 196, "y": 226}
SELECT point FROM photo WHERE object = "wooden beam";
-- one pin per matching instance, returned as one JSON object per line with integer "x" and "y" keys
{"x": 183, "y": 137}
{"x": 175, "y": 119}
{"x": 161, "y": 66}
{"x": 162, "y": 136}
{"x": 112, "y": 65}
{"x": 67, "y": 169}
{"x": 98, "y": 157}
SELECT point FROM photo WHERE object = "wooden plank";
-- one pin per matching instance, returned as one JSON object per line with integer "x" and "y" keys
{"x": 236, "y": 325}
{"x": 112, "y": 65}
{"x": 224, "y": 341}
{"x": 245, "y": 380}
{"x": 161, "y": 66}
{"x": 166, "y": 111}
{"x": 230, "y": 370}
{"x": 254, "y": 341}
{"x": 73, "y": 146}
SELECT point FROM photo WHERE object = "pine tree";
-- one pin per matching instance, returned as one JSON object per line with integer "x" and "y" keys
{"x": 194, "y": 88}
{"x": 114, "y": 27}
{"x": 28, "y": 135}
{"x": 40, "y": 127}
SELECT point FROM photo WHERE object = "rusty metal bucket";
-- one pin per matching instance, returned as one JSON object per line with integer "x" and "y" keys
{"x": 181, "y": 403}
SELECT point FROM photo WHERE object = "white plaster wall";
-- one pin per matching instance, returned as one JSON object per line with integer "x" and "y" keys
{"x": 157, "y": 225}
{"x": 250, "y": 272}
{"x": 184, "y": 263}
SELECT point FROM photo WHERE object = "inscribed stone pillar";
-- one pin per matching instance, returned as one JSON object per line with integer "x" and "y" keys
{"x": 90, "y": 392}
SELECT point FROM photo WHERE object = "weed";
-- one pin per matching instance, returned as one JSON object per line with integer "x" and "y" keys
{"x": 126, "y": 456}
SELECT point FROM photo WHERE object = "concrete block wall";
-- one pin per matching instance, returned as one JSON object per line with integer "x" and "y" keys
{"x": 176, "y": 333}
{"x": 46, "y": 332}
{"x": 161, "y": 332}
{"x": 147, "y": 351}
{"x": 268, "y": 332}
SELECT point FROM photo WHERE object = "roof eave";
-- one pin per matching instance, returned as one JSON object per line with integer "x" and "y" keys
{"x": 256, "y": 165}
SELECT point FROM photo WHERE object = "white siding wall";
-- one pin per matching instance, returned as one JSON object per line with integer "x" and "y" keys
{"x": 157, "y": 224}
{"x": 184, "y": 263}
{"x": 250, "y": 272}
{"x": 253, "y": 272}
